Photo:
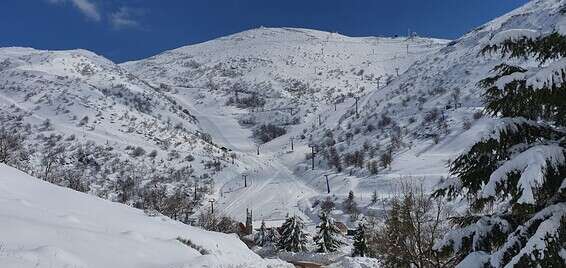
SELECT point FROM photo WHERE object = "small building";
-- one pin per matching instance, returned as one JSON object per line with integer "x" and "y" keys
{"x": 342, "y": 227}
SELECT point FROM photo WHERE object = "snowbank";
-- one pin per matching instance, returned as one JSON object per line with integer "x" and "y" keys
{"x": 43, "y": 225}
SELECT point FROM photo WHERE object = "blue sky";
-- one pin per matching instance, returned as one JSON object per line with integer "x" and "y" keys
{"x": 132, "y": 29}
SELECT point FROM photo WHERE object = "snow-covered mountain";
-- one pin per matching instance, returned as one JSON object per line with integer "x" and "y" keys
{"x": 280, "y": 76}
{"x": 198, "y": 118}
{"x": 432, "y": 112}
{"x": 91, "y": 107}
{"x": 278, "y": 69}
{"x": 43, "y": 225}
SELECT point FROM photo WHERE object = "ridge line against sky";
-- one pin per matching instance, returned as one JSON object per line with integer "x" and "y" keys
{"x": 123, "y": 30}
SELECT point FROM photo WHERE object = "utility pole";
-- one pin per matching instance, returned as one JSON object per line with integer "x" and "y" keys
{"x": 195, "y": 196}
{"x": 335, "y": 105}
{"x": 292, "y": 145}
{"x": 312, "y": 154}
{"x": 357, "y": 98}
{"x": 245, "y": 180}
{"x": 319, "y": 121}
{"x": 211, "y": 201}
{"x": 327, "y": 184}
{"x": 258, "y": 149}
{"x": 397, "y": 70}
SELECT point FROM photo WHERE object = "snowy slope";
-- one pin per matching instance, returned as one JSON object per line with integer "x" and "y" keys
{"x": 74, "y": 97}
{"x": 43, "y": 225}
{"x": 426, "y": 116}
{"x": 285, "y": 67}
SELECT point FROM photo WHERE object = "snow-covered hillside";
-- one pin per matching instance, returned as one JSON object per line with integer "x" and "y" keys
{"x": 43, "y": 225}
{"x": 431, "y": 113}
{"x": 214, "y": 122}
{"x": 88, "y": 119}
{"x": 278, "y": 69}
{"x": 281, "y": 76}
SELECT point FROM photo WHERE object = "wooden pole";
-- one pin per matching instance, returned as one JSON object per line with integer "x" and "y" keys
{"x": 327, "y": 184}
{"x": 312, "y": 156}
{"x": 211, "y": 205}
{"x": 292, "y": 145}
{"x": 357, "y": 98}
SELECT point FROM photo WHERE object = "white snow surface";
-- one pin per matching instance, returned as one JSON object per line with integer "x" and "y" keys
{"x": 532, "y": 164}
{"x": 43, "y": 225}
{"x": 514, "y": 35}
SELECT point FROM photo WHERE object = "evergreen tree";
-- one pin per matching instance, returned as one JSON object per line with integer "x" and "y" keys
{"x": 374, "y": 197}
{"x": 521, "y": 165}
{"x": 293, "y": 238}
{"x": 334, "y": 159}
{"x": 262, "y": 237}
{"x": 360, "y": 241}
{"x": 273, "y": 236}
{"x": 349, "y": 204}
{"x": 328, "y": 238}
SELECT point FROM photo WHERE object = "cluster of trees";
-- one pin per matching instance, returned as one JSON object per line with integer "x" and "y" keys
{"x": 292, "y": 237}
{"x": 247, "y": 102}
{"x": 140, "y": 181}
{"x": 367, "y": 157}
{"x": 267, "y": 132}
{"x": 212, "y": 221}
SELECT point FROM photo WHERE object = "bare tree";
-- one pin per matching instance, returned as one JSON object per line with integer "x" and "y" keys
{"x": 11, "y": 146}
{"x": 414, "y": 222}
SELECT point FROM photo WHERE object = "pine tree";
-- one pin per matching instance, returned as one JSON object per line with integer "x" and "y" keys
{"x": 521, "y": 165}
{"x": 328, "y": 238}
{"x": 262, "y": 237}
{"x": 334, "y": 159}
{"x": 293, "y": 238}
{"x": 374, "y": 197}
{"x": 360, "y": 241}
{"x": 349, "y": 204}
{"x": 273, "y": 236}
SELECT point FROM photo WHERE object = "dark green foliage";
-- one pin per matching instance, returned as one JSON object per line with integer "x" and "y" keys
{"x": 532, "y": 136}
{"x": 349, "y": 205}
{"x": 251, "y": 101}
{"x": 262, "y": 237}
{"x": 293, "y": 238}
{"x": 268, "y": 132}
{"x": 328, "y": 238}
{"x": 334, "y": 159}
{"x": 544, "y": 48}
{"x": 360, "y": 242}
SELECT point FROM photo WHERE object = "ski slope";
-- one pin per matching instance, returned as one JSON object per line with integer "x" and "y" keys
{"x": 43, "y": 225}
{"x": 272, "y": 62}
{"x": 272, "y": 191}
